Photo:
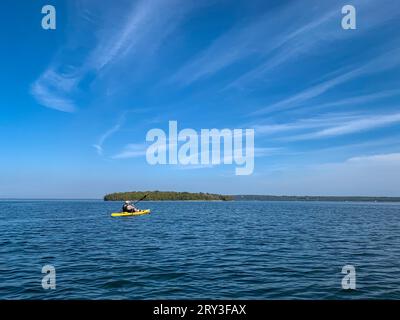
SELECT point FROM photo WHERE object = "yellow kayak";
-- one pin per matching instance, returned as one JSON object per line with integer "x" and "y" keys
{"x": 130, "y": 214}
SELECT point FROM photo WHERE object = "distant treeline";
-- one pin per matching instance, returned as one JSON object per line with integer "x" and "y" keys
{"x": 187, "y": 196}
{"x": 165, "y": 195}
{"x": 313, "y": 198}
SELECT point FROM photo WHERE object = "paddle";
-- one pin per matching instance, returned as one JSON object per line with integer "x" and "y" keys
{"x": 140, "y": 199}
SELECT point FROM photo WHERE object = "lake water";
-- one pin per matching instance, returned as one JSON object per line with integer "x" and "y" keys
{"x": 188, "y": 250}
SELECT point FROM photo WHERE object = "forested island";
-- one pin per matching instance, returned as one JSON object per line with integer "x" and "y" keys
{"x": 166, "y": 195}
{"x": 200, "y": 196}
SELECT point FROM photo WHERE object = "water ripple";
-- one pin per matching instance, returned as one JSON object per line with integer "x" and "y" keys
{"x": 195, "y": 250}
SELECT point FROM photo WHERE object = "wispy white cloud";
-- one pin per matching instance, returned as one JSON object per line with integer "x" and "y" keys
{"x": 368, "y": 175}
{"x": 358, "y": 125}
{"x": 52, "y": 89}
{"x": 303, "y": 124}
{"x": 382, "y": 145}
{"x": 278, "y": 37}
{"x": 143, "y": 29}
{"x": 316, "y": 35}
{"x": 338, "y": 128}
{"x": 115, "y": 128}
{"x": 99, "y": 145}
{"x": 351, "y": 101}
{"x": 131, "y": 151}
{"x": 377, "y": 158}
{"x": 240, "y": 42}
{"x": 384, "y": 62}
{"x": 289, "y": 46}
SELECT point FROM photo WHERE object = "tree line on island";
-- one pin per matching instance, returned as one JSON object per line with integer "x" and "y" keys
{"x": 200, "y": 196}
{"x": 165, "y": 195}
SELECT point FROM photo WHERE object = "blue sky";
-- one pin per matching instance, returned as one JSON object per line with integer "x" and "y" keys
{"x": 76, "y": 102}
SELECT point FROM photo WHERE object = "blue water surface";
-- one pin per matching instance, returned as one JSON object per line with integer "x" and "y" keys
{"x": 200, "y": 250}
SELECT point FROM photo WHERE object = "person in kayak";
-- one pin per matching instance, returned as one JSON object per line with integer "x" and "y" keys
{"x": 129, "y": 207}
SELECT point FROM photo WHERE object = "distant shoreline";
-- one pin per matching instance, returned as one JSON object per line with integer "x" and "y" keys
{"x": 315, "y": 198}
{"x": 187, "y": 196}
{"x": 327, "y": 199}
{"x": 165, "y": 195}
{"x": 250, "y": 198}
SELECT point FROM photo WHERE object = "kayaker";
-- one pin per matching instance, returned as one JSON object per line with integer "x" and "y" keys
{"x": 129, "y": 207}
